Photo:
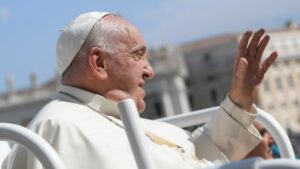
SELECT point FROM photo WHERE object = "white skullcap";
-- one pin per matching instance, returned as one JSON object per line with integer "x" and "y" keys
{"x": 73, "y": 36}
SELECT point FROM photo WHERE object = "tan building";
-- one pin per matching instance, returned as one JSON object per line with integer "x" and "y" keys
{"x": 280, "y": 95}
{"x": 210, "y": 66}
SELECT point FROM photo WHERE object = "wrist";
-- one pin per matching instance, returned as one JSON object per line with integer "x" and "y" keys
{"x": 240, "y": 102}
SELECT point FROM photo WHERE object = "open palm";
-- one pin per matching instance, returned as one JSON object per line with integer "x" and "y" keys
{"x": 249, "y": 71}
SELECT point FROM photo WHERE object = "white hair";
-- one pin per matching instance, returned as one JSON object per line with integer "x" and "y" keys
{"x": 104, "y": 35}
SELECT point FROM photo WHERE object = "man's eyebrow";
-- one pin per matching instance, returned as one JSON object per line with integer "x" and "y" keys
{"x": 138, "y": 48}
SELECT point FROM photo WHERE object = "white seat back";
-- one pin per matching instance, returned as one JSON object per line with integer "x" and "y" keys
{"x": 204, "y": 115}
{"x": 38, "y": 146}
{"x": 4, "y": 150}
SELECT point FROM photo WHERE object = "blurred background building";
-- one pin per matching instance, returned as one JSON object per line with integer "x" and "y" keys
{"x": 191, "y": 76}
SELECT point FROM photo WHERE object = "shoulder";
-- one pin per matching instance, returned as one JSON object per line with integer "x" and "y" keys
{"x": 62, "y": 115}
{"x": 60, "y": 108}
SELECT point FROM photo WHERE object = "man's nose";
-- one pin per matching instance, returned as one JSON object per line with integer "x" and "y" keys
{"x": 148, "y": 71}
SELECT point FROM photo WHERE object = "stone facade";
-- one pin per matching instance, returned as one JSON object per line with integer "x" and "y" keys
{"x": 20, "y": 106}
{"x": 281, "y": 89}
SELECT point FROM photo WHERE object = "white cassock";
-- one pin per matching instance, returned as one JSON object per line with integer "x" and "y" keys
{"x": 82, "y": 128}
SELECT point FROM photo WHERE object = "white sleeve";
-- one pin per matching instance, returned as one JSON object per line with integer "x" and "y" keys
{"x": 229, "y": 136}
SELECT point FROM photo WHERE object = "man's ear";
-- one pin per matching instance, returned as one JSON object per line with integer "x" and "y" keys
{"x": 97, "y": 62}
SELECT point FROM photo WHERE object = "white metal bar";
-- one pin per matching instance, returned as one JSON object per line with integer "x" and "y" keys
{"x": 250, "y": 163}
{"x": 204, "y": 115}
{"x": 135, "y": 134}
{"x": 4, "y": 150}
{"x": 40, "y": 148}
{"x": 279, "y": 164}
{"x": 278, "y": 133}
{"x": 259, "y": 163}
{"x": 191, "y": 118}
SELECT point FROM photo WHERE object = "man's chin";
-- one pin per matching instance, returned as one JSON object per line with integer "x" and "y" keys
{"x": 141, "y": 106}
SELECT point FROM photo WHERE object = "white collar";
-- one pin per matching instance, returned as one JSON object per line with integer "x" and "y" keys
{"x": 92, "y": 100}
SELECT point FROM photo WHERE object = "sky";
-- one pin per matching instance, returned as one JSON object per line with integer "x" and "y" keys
{"x": 29, "y": 29}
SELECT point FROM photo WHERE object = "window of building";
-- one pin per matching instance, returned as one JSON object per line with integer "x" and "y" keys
{"x": 295, "y": 43}
{"x": 191, "y": 100}
{"x": 158, "y": 109}
{"x": 286, "y": 63}
{"x": 271, "y": 107}
{"x": 297, "y": 61}
{"x": 214, "y": 96}
{"x": 298, "y": 119}
{"x": 283, "y": 105}
{"x": 210, "y": 78}
{"x": 290, "y": 81}
{"x": 266, "y": 85}
{"x": 296, "y": 103}
{"x": 278, "y": 83}
{"x": 207, "y": 57}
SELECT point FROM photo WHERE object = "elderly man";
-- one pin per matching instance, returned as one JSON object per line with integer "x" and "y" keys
{"x": 103, "y": 59}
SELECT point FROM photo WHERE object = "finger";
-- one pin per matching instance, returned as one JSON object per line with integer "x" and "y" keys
{"x": 261, "y": 47}
{"x": 267, "y": 63}
{"x": 254, "y": 42}
{"x": 243, "y": 44}
{"x": 242, "y": 50}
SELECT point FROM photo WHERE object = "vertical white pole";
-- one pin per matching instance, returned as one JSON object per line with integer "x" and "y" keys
{"x": 135, "y": 134}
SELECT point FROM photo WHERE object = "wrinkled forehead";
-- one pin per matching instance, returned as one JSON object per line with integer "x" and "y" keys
{"x": 129, "y": 33}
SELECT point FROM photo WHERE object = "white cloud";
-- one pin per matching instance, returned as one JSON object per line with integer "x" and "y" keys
{"x": 4, "y": 13}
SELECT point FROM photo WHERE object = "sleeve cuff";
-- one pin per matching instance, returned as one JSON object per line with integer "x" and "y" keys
{"x": 232, "y": 138}
{"x": 240, "y": 115}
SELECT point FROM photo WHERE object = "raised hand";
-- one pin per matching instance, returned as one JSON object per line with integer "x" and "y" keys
{"x": 248, "y": 71}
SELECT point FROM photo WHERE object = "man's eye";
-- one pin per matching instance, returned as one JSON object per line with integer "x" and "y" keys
{"x": 138, "y": 55}
{"x": 141, "y": 53}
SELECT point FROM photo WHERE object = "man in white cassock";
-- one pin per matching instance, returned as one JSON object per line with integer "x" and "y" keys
{"x": 102, "y": 58}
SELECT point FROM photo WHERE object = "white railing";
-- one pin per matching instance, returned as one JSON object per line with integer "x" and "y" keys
{"x": 134, "y": 130}
{"x": 204, "y": 115}
{"x": 40, "y": 148}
